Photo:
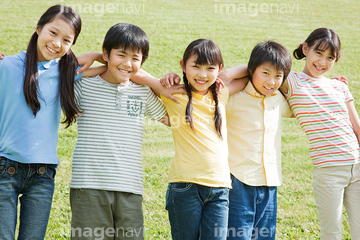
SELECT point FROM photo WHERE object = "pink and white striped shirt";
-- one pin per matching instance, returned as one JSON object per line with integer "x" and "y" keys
{"x": 319, "y": 104}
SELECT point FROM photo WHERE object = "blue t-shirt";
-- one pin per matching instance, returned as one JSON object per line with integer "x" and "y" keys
{"x": 23, "y": 137}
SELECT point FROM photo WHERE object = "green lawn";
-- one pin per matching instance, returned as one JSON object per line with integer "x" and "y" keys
{"x": 236, "y": 26}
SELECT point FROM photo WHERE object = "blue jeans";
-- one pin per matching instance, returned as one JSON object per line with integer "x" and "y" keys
{"x": 252, "y": 211}
{"x": 34, "y": 183}
{"x": 197, "y": 212}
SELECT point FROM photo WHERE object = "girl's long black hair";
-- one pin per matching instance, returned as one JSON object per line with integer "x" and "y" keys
{"x": 207, "y": 53}
{"x": 67, "y": 66}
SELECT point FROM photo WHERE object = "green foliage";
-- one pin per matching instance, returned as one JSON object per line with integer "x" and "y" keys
{"x": 236, "y": 26}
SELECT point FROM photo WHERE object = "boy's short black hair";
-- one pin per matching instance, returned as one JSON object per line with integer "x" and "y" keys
{"x": 127, "y": 36}
{"x": 270, "y": 52}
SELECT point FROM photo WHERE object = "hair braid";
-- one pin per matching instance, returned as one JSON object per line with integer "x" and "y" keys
{"x": 189, "y": 106}
{"x": 217, "y": 115}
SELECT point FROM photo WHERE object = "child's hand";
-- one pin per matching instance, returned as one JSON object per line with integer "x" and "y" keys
{"x": 170, "y": 79}
{"x": 222, "y": 76}
{"x": 341, "y": 79}
{"x": 2, "y": 56}
{"x": 174, "y": 89}
{"x": 219, "y": 84}
{"x": 86, "y": 60}
{"x": 84, "y": 66}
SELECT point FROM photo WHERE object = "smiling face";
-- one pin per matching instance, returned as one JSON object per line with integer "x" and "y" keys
{"x": 122, "y": 65}
{"x": 267, "y": 79}
{"x": 54, "y": 40}
{"x": 200, "y": 77}
{"x": 318, "y": 62}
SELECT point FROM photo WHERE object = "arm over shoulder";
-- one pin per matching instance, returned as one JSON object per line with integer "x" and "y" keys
{"x": 155, "y": 108}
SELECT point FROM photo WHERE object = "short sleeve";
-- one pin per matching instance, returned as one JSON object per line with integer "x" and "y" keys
{"x": 291, "y": 79}
{"x": 224, "y": 95}
{"x": 285, "y": 107}
{"x": 1, "y": 66}
{"x": 78, "y": 76}
{"x": 77, "y": 89}
{"x": 347, "y": 94}
{"x": 231, "y": 103}
{"x": 155, "y": 108}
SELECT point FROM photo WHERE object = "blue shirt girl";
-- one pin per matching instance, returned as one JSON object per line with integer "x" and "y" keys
{"x": 34, "y": 87}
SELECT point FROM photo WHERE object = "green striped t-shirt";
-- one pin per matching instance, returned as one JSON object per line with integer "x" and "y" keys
{"x": 110, "y": 134}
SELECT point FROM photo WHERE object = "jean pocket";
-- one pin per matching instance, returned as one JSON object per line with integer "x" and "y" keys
{"x": 176, "y": 192}
{"x": 8, "y": 167}
{"x": 180, "y": 186}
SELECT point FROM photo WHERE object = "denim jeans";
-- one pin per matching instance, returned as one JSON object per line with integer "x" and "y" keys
{"x": 34, "y": 183}
{"x": 197, "y": 212}
{"x": 252, "y": 211}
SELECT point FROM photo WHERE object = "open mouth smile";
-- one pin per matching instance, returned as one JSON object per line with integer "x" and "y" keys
{"x": 201, "y": 82}
{"x": 124, "y": 71}
{"x": 318, "y": 69}
{"x": 51, "y": 50}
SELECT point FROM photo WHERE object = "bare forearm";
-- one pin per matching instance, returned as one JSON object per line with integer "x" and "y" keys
{"x": 237, "y": 84}
{"x": 239, "y": 71}
{"x": 354, "y": 119}
{"x": 94, "y": 71}
{"x": 144, "y": 78}
{"x": 165, "y": 120}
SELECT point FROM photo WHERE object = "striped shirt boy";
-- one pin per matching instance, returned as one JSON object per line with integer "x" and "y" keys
{"x": 110, "y": 134}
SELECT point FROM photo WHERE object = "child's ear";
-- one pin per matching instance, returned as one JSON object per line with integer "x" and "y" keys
{"x": 305, "y": 48}
{"x": 105, "y": 55}
{"x": 182, "y": 65}
{"x": 37, "y": 29}
{"x": 221, "y": 68}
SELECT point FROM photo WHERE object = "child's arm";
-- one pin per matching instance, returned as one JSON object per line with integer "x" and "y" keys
{"x": 86, "y": 60}
{"x": 354, "y": 118}
{"x": 235, "y": 78}
{"x": 226, "y": 75}
{"x": 94, "y": 71}
{"x": 144, "y": 78}
{"x": 165, "y": 120}
{"x": 239, "y": 71}
{"x": 236, "y": 85}
{"x": 236, "y": 74}
{"x": 284, "y": 88}
{"x": 170, "y": 79}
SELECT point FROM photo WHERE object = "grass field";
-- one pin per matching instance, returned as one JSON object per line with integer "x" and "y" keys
{"x": 236, "y": 26}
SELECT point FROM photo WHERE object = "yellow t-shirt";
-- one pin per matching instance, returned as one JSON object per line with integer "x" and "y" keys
{"x": 201, "y": 156}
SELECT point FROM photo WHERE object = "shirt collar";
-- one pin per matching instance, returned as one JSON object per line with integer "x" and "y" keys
{"x": 249, "y": 89}
{"x": 44, "y": 64}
